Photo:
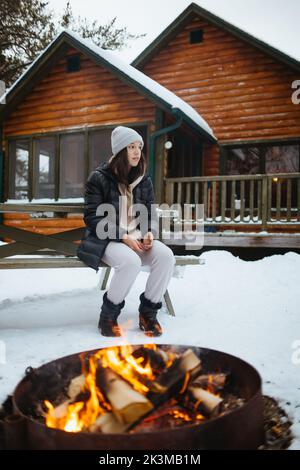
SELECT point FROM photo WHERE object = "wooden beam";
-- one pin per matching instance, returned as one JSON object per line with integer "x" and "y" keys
{"x": 21, "y": 248}
{"x": 44, "y": 207}
{"x": 37, "y": 240}
{"x": 245, "y": 241}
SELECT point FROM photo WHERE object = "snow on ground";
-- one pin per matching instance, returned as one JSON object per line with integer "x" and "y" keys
{"x": 249, "y": 309}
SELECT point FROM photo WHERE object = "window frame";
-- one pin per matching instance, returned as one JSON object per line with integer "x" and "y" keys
{"x": 12, "y": 167}
{"x": 32, "y": 190}
{"x": 261, "y": 144}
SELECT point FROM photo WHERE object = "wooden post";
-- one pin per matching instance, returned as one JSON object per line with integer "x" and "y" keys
{"x": 169, "y": 193}
{"x": 264, "y": 202}
{"x": 288, "y": 200}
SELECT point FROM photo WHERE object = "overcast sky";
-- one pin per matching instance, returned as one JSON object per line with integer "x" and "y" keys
{"x": 274, "y": 21}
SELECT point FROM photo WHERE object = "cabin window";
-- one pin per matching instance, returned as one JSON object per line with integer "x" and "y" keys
{"x": 196, "y": 36}
{"x": 264, "y": 158}
{"x": 73, "y": 64}
{"x": 19, "y": 168}
{"x": 56, "y": 165}
{"x": 99, "y": 147}
{"x": 45, "y": 167}
{"x": 282, "y": 159}
{"x": 72, "y": 173}
{"x": 243, "y": 161}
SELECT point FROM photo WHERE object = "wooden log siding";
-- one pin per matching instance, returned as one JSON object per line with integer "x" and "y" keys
{"x": 242, "y": 93}
{"x": 44, "y": 225}
{"x": 263, "y": 199}
{"x": 91, "y": 97}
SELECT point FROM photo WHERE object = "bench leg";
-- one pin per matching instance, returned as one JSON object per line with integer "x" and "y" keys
{"x": 104, "y": 278}
{"x": 169, "y": 304}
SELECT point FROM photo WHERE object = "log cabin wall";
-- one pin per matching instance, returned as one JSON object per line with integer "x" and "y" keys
{"x": 90, "y": 97}
{"x": 65, "y": 101}
{"x": 241, "y": 92}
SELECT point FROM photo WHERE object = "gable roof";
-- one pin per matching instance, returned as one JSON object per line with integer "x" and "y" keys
{"x": 185, "y": 17}
{"x": 160, "y": 95}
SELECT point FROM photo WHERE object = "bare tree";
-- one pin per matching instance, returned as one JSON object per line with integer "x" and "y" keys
{"x": 28, "y": 26}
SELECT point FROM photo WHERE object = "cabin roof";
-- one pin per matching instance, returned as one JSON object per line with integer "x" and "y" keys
{"x": 162, "y": 97}
{"x": 184, "y": 18}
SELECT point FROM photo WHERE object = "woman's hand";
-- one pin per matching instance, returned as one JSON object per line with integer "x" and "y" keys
{"x": 134, "y": 244}
{"x": 148, "y": 240}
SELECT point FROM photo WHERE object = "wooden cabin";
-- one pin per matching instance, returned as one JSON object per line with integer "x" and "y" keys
{"x": 57, "y": 122}
{"x": 243, "y": 88}
{"x": 221, "y": 97}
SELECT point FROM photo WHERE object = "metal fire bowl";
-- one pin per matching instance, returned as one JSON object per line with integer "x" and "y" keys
{"x": 241, "y": 428}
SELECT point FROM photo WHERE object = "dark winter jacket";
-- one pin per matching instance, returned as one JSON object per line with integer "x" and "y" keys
{"x": 102, "y": 187}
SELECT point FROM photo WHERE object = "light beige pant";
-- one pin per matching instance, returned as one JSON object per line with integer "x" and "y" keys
{"x": 127, "y": 264}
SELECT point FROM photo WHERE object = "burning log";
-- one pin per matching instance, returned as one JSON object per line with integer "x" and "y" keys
{"x": 74, "y": 393}
{"x": 136, "y": 365}
{"x": 127, "y": 404}
{"x": 212, "y": 382}
{"x": 121, "y": 386}
{"x": 130, "y": 406}
{"x": 198, "y": 399}
{"x": 176, "y": 378}
{"x": 76, "y": 386}
{"x": 108, "y": 424}
{"x": 158, "y": 359}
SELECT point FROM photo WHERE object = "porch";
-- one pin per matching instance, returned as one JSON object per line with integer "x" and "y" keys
{"x": 268, "y": 202}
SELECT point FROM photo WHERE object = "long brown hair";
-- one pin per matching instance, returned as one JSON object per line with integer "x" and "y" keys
{"x": 119, "y": 165}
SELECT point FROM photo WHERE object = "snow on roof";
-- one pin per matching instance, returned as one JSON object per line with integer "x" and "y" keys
{"x": 279, "y": 32}
{"x": 162, "y": 93}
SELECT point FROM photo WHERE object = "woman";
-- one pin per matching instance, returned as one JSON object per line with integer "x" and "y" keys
{"x": 123, "y": 181}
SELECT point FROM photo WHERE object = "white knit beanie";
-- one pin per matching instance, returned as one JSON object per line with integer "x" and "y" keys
{"x": 122, "y": 136}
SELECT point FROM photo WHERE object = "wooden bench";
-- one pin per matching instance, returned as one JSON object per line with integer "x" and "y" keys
{"x": 73, "y": 262}
{"x": 32, "y": 250}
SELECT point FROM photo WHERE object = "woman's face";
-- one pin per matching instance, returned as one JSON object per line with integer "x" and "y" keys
{"x": 134, "y": 152}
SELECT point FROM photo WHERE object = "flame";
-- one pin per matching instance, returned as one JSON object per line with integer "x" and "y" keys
{"x": 120, "y": 360}
{"x": 79, "y": 416}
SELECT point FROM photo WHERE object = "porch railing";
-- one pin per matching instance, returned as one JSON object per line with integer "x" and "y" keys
{"x": 255, "y": 199}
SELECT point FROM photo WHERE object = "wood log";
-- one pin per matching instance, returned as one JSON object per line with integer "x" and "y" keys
{"x": 61, "y": 410}
{"x": 107, "y": 423}
{"x": 127, "y": 404}
{"x": 149, "y": 359}
{"x": 213, "y": 382}
{"x": 201, "y": 400}
{"x": 176, "y": 378}
{"x": 157, "y": 358}
{"x": 75, "y": 386}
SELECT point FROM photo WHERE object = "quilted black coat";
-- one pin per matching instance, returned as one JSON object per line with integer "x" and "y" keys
{"x": 102, "y": 187}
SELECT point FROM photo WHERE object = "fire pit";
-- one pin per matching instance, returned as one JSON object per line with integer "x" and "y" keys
{"x": 139, "y": 397}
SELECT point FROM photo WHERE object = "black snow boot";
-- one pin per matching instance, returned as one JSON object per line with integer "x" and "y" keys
{"x": 108, "y": 324}
{"x": 147, "y": 316}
